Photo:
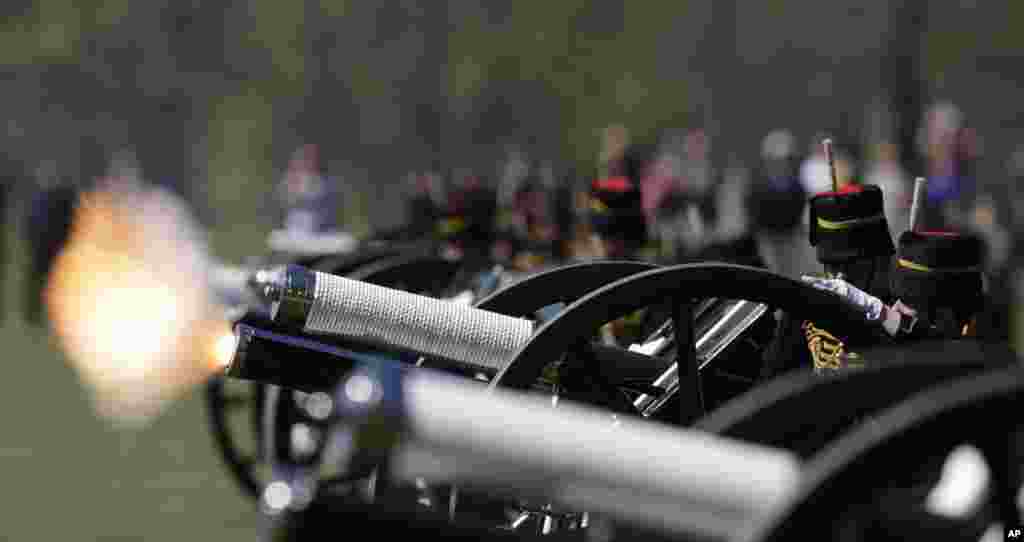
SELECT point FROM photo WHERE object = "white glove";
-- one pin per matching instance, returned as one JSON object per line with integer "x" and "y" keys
{"x": 871, "y": 306}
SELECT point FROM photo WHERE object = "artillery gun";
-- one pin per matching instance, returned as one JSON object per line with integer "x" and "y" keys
{"x": 561, "y": 427}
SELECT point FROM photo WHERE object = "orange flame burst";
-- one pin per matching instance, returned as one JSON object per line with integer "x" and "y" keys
{"x": 129, "y": 303}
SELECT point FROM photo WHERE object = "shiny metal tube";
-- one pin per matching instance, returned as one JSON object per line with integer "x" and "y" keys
{"x": 582, "y": 458}
{"x": 728, "y": 322}
{"x": 320, "y": 303}
{"x": 294, "y": 362}
{"x": 663, "y": 339}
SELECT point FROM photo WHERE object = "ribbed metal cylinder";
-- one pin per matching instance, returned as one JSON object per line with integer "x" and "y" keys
{"x": 393, "y": 318}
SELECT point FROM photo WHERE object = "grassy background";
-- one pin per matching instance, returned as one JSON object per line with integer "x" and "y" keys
{"x": 69, "y": 476}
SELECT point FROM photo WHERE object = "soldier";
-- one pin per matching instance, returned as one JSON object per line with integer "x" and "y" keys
{"x": 535, "y": 240}
{"x": 617, "y": 216}
{"x": 470, "y": 224}
{"x": 424, "y": 206}
{"x": 938, "y": 292}
{"x": 938, "y": 285}
{"x": 615, "y": 200}
{"x": 937, "y": 288}
{"x": 850, "y": 234}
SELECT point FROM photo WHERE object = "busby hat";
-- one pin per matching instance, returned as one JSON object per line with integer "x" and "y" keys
{"x": 849, "y": 225}
{"x": 940, "y": 269}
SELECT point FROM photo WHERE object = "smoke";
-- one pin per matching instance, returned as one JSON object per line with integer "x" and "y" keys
{"x": 130, "y": 302}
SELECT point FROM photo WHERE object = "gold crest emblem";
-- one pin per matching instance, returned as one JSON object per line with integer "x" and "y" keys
{"x": 827, "y": 351}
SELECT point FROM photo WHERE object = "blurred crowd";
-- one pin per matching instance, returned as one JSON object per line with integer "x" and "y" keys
{"x": 664, "y": 200}
{"x": 670, "y": 202}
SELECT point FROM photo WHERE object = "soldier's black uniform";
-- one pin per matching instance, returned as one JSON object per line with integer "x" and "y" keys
{"x": 939, "y": 275}
{"x": 470, "y": 222}
{"x": 616, "y": 210}
{"x": 424, "y": 214}
{"x": 851, "y": 237}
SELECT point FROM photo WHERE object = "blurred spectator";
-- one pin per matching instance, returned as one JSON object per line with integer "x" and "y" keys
{"x": 470, "y": 222}
{"x": 540, "y": 210}
{"x": 612, "y": 160}
{"x": 311, "y": 205}
{"x": 730, "y": 238}
{"x": 425, "y": 205}
{"x": 513, "y": 172}
{"x": 566, "y": 213}
{"x": 663, "y": 176}
{"x": 662, "y": 198}
{"x": 698, "y": 175}
{"x": 777, "y": 202}
{"x": 8, "y": 184}
{"x": 731, "y": 204}
{"x": 1014, "y": 205}
{"x": 309, "y": 200}
{"x": 886, "y": 172}
{"x": 950, "y": 149}
{"x": 48, "y": 225}
{"x": 534, "y": 209}
{"x": 679, "y": 195}
{"x": 990, "y": 223}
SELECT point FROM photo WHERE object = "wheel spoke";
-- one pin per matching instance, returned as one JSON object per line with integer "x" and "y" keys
{"x": 691, "y": 393}
{"x": 591, "y": 374}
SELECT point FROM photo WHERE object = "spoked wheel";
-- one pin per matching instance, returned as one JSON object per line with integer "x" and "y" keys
{"x": 608, "y": 375}
{"x": 575, "y": 326}
{"x": 871, "y": 483}
{"x": 225, "y": 402}
{"x": 238, "y": 412}
{"x": 570, "y": 335}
